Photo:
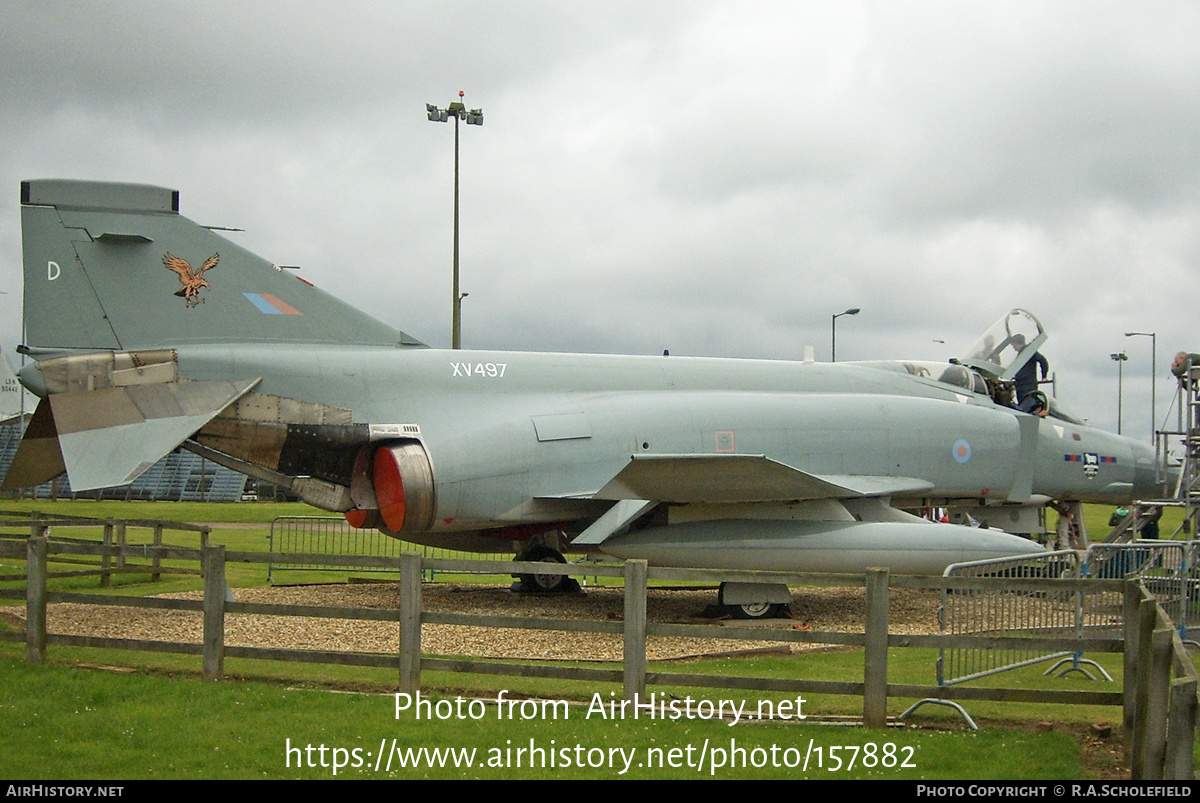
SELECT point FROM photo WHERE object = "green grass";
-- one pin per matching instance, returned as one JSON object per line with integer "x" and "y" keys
{"x": 65, "y": 723}
{"x": 1096, "y": 517}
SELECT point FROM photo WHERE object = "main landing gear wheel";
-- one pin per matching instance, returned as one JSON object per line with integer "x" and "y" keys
{"x": 545, "y": 583}
{"x": 755, "y": 610}
{"x": 753, "y": 602}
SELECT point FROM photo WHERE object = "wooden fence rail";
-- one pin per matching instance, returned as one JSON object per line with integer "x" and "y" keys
{"x": 1160, "y": 711}
{"x": 115, "y": 532}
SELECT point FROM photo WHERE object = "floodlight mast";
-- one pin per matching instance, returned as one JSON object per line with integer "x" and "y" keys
{"x": 1120, "y": 357}
{"x": 1153, "y": 380}
{"x": 473, "y": 117}
{"x": 833, "y": 331}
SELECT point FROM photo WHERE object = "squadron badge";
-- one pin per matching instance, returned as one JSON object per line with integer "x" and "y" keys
{"x": 192, "y": 280}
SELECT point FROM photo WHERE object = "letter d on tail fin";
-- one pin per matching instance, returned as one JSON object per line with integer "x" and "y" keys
{"x": 116, "y": 267}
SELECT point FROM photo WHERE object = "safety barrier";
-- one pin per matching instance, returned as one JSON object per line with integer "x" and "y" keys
{"x": 997, "y": 608}
{"x": 1162, "y": 566}
{"x": 319, "y": 536}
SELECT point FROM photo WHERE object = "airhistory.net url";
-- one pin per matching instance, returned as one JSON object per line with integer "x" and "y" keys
{"x": 706, "y": 758}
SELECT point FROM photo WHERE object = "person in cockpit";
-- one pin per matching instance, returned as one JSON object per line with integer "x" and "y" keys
{"x": 1026, "y": 380}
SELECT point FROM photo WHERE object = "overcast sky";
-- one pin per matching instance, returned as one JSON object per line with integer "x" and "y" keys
{"x": 715, "y": 178}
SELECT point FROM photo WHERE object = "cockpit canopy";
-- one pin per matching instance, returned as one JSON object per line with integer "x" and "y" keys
{"x": 991, "y": 364}
{"x": 1006, "y": 346}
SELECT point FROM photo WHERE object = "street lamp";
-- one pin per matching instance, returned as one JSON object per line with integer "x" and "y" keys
{"x": 473, "y": 117}
{"x": 833, "y": 332}
{"x": 1120, "y": 357}
{"x": 1153, "y": 379}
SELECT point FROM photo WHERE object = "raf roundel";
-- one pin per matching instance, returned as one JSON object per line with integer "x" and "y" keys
{"x": 961, "y": 451}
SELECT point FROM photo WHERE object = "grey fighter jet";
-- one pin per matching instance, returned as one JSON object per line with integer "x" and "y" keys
{"x": 149, "y": 332}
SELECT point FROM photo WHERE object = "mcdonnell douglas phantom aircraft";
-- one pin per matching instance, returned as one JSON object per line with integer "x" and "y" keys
{"x": 150, "y": 332}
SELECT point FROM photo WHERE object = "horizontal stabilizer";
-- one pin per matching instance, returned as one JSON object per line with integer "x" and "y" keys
{"x": 110, "y": 437}
{"x": 38, "y": 458}
{"x": 720, "y": 478}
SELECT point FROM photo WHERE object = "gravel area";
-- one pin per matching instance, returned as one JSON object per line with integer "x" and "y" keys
{"x": 830, "y": 609}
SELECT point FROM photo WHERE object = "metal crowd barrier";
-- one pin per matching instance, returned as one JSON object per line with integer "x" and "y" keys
{"x": 1168, "y": 569}
{"x": 1003, "y": 611}
{"x": 319, "y": 536}
{"x": 325, "y": 535}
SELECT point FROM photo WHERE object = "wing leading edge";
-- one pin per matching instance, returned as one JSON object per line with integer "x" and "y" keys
{"x": 725, "y": 479}
{"x": 720, "y": 478}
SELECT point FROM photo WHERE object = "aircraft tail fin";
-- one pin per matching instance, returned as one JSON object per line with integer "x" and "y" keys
{"x": 115, "y": 266}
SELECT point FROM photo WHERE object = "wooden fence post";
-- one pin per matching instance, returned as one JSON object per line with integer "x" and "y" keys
{"x": 1143, "y": 649}
{"x": 1159, "y": 669}
{"x": 213, "y": 564}
{"x": 105, "y": 558}
{"x": 35, "y": 594}
{"x": 635, "y": 629}
{"x": 1129, "y": 615}
{"x": 875, "y": 654}
{"x": 1181, "y": 727}
{"x": 410, "y": 622}
{"x": 156, "y": 562}
{"x": 120, "y": 542}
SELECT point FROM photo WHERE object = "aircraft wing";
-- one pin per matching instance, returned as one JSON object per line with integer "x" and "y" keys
{"x": 724, "y": 478}
{"x": 717, "y": 478}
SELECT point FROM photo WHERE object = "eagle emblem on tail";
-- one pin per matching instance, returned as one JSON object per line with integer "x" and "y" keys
{"x": 192, "y": 280}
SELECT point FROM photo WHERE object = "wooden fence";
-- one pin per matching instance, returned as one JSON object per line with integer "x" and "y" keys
{"x": 114, "y": 532}
{"x": 1159, "y": 698}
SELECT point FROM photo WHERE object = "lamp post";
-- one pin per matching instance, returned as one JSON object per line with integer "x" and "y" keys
{"x": 473, "y": 117}
{"x": 833, "y": 332}
{"x": 1120, "y": 357}
{"x": 1153, "y": 379}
